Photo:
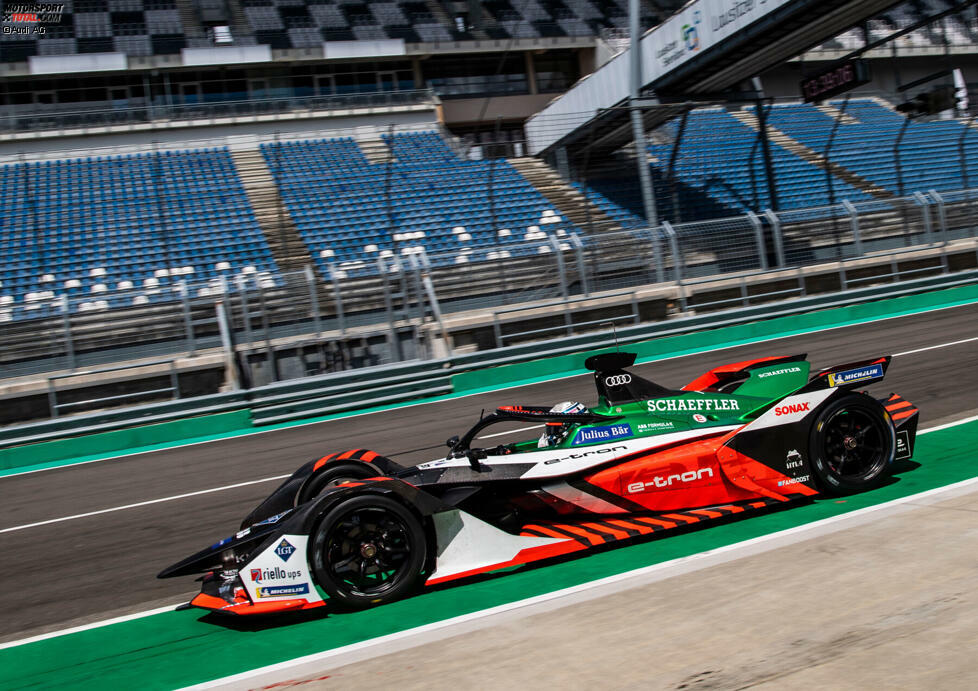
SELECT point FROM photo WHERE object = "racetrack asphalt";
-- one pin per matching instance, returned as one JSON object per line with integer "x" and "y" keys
{"x": 889, "y": 604}
{"x": 98, "y": 566}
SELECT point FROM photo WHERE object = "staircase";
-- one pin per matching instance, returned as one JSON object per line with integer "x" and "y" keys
{"x": 290, "y": 252}
{"x": 835, "y": 114}
{"x": 813, "y": 157}
{"x": 376, "y": 151}
{"x": 438, "y": 12}
{"x": 567, "y": 201}
{"x": 241, "y": 32}
{"x": 192, "y": 29}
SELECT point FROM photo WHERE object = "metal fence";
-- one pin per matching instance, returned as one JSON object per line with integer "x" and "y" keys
{"x": 719, "y": 161}
{"x": 300, "y": 323}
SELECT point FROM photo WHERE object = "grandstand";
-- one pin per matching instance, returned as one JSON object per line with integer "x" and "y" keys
{"x": 142, "y": 28}
{"x": 134, "y": 224}
{"x": 127, "y": 229}
{"x": 350, "y": 211}
{"x": 715, "y": 167}
{"x": 371, "y": 156}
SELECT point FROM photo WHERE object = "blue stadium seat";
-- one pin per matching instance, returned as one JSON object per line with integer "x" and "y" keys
{"x": 438, "y": 201}
{"x": 85, "y": 226}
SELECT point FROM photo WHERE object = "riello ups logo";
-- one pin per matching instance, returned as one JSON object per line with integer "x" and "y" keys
{"x": 30, "y": 17}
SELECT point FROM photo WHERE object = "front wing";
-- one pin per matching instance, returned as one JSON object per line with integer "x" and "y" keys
{"x": 278, "y": 578}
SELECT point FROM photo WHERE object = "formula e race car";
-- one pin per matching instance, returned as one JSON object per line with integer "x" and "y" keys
{"x": 357, "y": 529}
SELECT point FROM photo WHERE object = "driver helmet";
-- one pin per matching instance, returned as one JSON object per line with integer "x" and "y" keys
{"x": 556, "y": 432}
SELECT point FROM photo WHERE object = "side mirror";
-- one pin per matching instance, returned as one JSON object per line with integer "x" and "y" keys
{"x": 452, "y": 442}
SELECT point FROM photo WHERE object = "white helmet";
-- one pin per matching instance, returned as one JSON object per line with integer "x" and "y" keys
{"x": 555, "y": 432}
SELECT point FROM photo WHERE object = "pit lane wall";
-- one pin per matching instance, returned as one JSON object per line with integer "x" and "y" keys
{"x": 195, "y": 429}
{"x": 681, "y": 344}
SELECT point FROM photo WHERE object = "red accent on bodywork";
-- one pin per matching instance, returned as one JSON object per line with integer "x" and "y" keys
{"x": 758, "y": 478}
{"x": 711, "y": 378}
{"x": 660, "y": 472}
{"x": 217, "y": 604}
{"x": 524, "y": 556}
{"x": 642, "y": 529}
{"x": 323, "y": 461}
{"x": 655, "y": 521}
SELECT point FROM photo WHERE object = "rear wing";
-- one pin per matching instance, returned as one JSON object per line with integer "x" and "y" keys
{"x": 849, "y": 375}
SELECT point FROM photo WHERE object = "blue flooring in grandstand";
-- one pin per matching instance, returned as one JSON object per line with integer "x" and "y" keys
{"x": 346, "y": 207}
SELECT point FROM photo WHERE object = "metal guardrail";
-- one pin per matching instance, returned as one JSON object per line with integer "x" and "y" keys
{"x": 311, "y": 397}
{"x": 569, "y": 326}
{"x": 395, "y": 298}
{"x": 56, "y": 407}
{"x": 52, "y": 118}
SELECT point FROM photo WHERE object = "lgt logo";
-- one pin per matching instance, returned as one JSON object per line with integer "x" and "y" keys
{"x": 284, "y": 549}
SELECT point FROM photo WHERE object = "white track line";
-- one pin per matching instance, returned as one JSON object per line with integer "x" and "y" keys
{"x": 86, "y": 627}
{"x": 142, "y": 503}
{"x": 501, "y": 388}
{"x": 277, "y": 477}
{"x": 931, "y": 492}
{"x": 402, "y": 640}
{"x": 933, "y": 347}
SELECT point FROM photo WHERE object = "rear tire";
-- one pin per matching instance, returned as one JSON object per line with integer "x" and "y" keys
{"x": 367, "y": 551}
{"x": 852, "y": 445}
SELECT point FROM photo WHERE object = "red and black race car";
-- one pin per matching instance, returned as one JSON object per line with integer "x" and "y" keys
{"x": 356, "y": 529}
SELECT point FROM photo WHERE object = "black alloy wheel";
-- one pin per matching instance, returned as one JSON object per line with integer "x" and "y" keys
{"x": 852, "y": 446}
{"x": 367, "y": 551}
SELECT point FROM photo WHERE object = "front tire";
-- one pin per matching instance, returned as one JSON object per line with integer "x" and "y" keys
{"x": 331, "y": 476}
{"x": 852, "y": 445}
{"x": 367, "y": 551}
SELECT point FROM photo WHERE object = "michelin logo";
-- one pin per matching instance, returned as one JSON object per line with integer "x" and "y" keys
{"x": 856, "y": 375}
{"x": 283, "y": 590}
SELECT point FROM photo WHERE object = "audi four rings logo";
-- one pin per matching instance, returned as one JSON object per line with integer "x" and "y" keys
{"x": 618, "y": 380}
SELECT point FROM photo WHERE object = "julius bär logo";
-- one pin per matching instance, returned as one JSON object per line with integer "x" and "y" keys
{"x": 30, "y": 17}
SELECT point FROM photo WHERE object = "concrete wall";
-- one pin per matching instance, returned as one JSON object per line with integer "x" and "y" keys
{"x": 177, "y": 136}
{"x": 468, "y": 110}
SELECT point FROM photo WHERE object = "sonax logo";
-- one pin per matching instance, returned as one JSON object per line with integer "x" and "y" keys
{"x": 793, "y": 408}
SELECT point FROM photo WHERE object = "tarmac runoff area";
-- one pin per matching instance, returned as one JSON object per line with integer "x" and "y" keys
{"x": 888, "y": 603}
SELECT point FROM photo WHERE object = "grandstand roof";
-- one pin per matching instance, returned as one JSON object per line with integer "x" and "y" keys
{"x": 611, "y": 129}
{"x": 143, "y": 28}
{"x": 704, "y": 48}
